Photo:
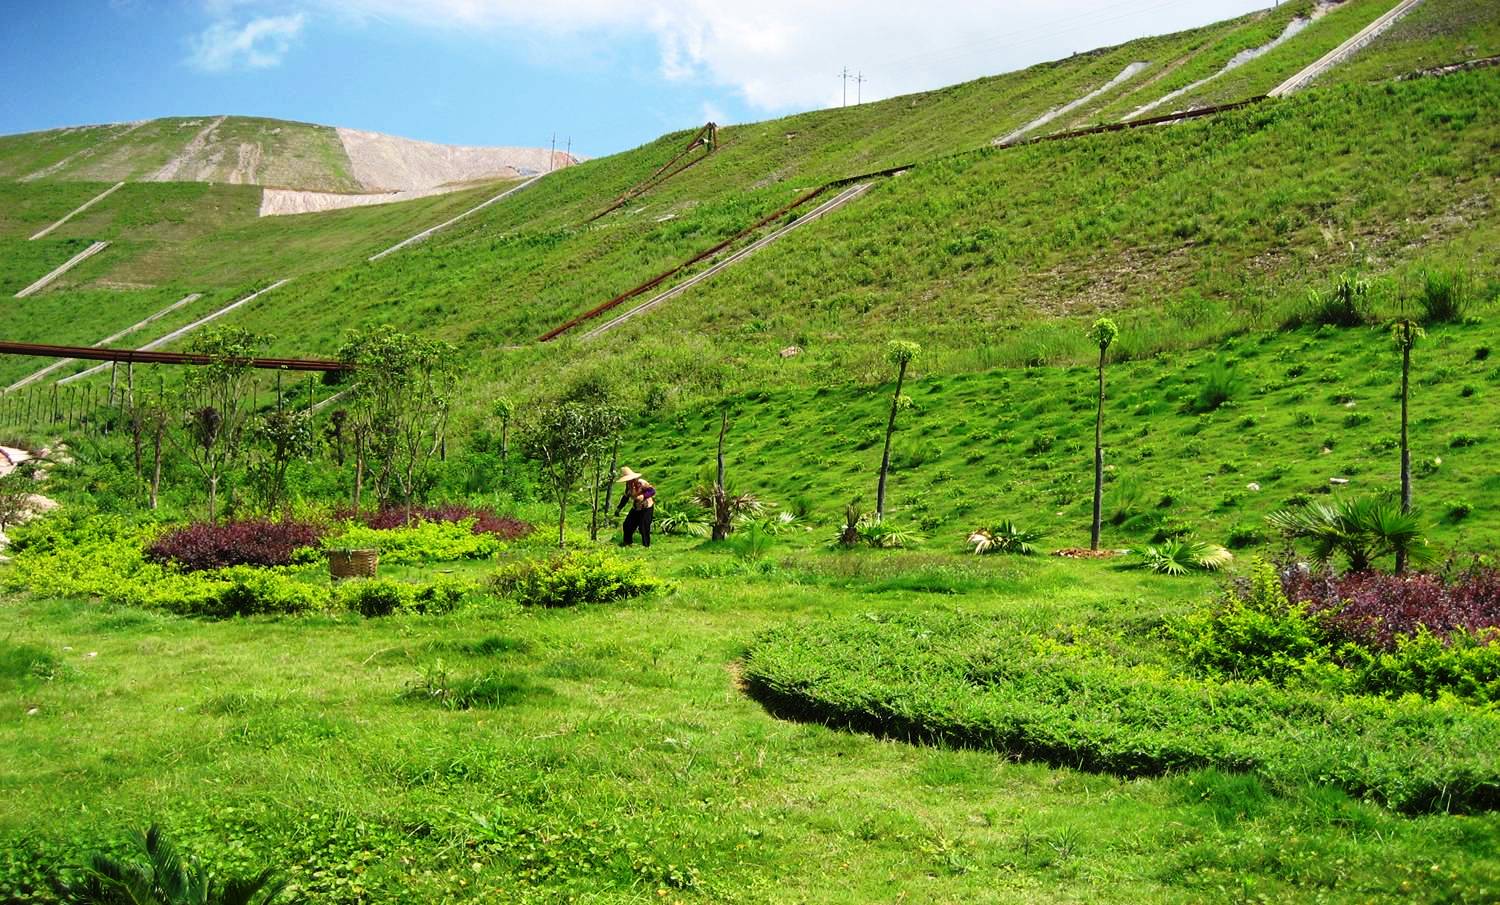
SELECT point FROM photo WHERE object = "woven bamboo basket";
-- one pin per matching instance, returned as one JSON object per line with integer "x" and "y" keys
{"x": 353, "y": 563}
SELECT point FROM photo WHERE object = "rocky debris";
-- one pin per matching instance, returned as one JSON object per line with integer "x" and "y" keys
{"x": 791, "y": 352}
{"x": 1085, "y": 553}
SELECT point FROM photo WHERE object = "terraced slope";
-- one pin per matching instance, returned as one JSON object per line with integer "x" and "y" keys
{"x": 1218, "y": 215}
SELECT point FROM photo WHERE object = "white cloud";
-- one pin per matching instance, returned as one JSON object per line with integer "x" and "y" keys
{"x": 258, "y": 44}
{"x": 786, "y": 54}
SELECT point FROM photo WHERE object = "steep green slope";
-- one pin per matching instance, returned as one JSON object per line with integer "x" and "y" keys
{"x": 1436, "y": 33}
{"x": 991, "y": 258}
{"x": 1306, "y": 406}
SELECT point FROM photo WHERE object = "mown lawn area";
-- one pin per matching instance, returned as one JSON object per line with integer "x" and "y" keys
{"x": 611, "y": 755}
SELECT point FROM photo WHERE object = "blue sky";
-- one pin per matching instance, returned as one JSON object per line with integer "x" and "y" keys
{"x": 610, "y": 74}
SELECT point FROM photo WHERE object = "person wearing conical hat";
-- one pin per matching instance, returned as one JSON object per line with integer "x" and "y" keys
{"x": 642, "y": 499}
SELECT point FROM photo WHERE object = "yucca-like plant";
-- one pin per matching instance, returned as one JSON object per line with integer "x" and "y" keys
{"x": 1179, "y": 557}
{"x": 885, "y": 536}
{"x": 1005, "y": 538}
{"x": 1360, "y": 529}
{"x": 674, "y": 520}
{"x": 166, "y": 877}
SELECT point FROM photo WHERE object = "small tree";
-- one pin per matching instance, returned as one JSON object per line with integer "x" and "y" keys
{"x": 214, "y": 405}
{"x": 281, "y": 437}
{"x": 1102, "y": 333}
{"x": 900, "y": 354}
{"x": 1406, "y": 333}
{"x": 565, "y": 438}
{"x": 399, "y": 408}
{"x": 504, "y": 410}
{"x": 15, "y": 496}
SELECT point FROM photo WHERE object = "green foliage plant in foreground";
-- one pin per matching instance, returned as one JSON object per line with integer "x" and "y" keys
{"x": 418, "y": 542}
{"x": 570, "y": 579}
{"x": 972, "y": 681}
{"x": 1255, "y": 632}
{"x": 102, "y": 558}
{"x": 166, "y": 877}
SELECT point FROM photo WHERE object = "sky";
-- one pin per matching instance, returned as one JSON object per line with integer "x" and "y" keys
{"x": 602, "y": 75}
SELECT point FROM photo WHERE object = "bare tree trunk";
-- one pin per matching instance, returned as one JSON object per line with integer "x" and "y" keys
{"x": 161, "y": 428}
{"x": 359, "y": 468}
{"x": 721, "y": 499}
{"x": 594, "y": 493}
{"x": 1098, "y": 461}
{"x": 614, "y": 464}
{"x": 213, "y": 499}
{"x": 1405, "y": 445}
{"x": 885, "y": 457}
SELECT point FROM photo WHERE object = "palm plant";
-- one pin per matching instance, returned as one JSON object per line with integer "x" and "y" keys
{"x": 1405, "y": 332}
{"x": 1102, "y": 333}
{"x": 1177, "y": 556}
{"x": 1005, "y": 538}
{"x": 165, "y": 878}
{"x": 901, "y": 354}
{"x": 1361, "y": 530}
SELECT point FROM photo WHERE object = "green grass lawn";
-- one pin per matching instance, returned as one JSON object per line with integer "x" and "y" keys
{"x": 621, "y": 762}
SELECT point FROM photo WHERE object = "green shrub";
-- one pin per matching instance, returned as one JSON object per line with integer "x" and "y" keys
{"x": 1444, "y": 296}
{"x": 421, "y": 542}
{"x": 1005, "y": 538}
{"x": 974, "y": 681}
{"x": 1178, "y": 556}
{"x": 574, "y": 578}
{"x": 376, "y": 597}
{"x": 22, "y": 662}
{"x": 1220, "y": 385}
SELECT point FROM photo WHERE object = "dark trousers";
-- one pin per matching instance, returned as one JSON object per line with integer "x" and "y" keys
{"x": 638, "y": 520}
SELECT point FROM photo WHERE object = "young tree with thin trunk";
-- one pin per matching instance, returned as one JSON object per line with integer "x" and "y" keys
{"x": 504, "y": 409}
{"x": 564, "y": 437}
{"x": 901, "y": 354}
{"x": 399, "y": 409}
{"x": 215, "y": 405}
{"x": 1102, "y": 333}
{"x": 722, "y": 519}
{"x": 1406, "y": 333}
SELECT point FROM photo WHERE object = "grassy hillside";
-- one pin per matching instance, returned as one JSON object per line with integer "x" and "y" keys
{"x": 238, "y": 149}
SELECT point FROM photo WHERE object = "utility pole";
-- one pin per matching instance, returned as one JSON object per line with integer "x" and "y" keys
{"x": 569, "y": 152}
{"x": 845, "y": 77}
{"x": 859, "y": 84}
{"x": 552, "y": 154}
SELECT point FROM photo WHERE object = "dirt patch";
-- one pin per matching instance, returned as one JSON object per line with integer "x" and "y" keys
{"x": 173, "y": 168}
{"x": 281, "y": 202}
{"x": 1083, "y": 553}
{"x": 385, "y": 163}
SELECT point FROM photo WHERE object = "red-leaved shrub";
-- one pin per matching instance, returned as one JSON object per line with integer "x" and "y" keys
{"x": 1372, "y": 609}
{"x": 248, "y": 543}
{"x": 486, "y": 521}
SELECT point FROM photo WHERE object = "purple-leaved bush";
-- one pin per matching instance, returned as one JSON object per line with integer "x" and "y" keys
{"x": 1372, "y": 609}
{"x": 253, "y": 542}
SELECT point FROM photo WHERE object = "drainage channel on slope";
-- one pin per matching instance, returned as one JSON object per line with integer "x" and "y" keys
{"x": 826, "y": 207}
{"x": 184, "y": 331}
{"x": 1345, "y": 50}
{"x": 426, "y": 233}
{"x": 80, "y": 209}
{"x": 1126, "y": 74}
{"x": 138, "y": 325}
{"x": 72, "y": 262}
